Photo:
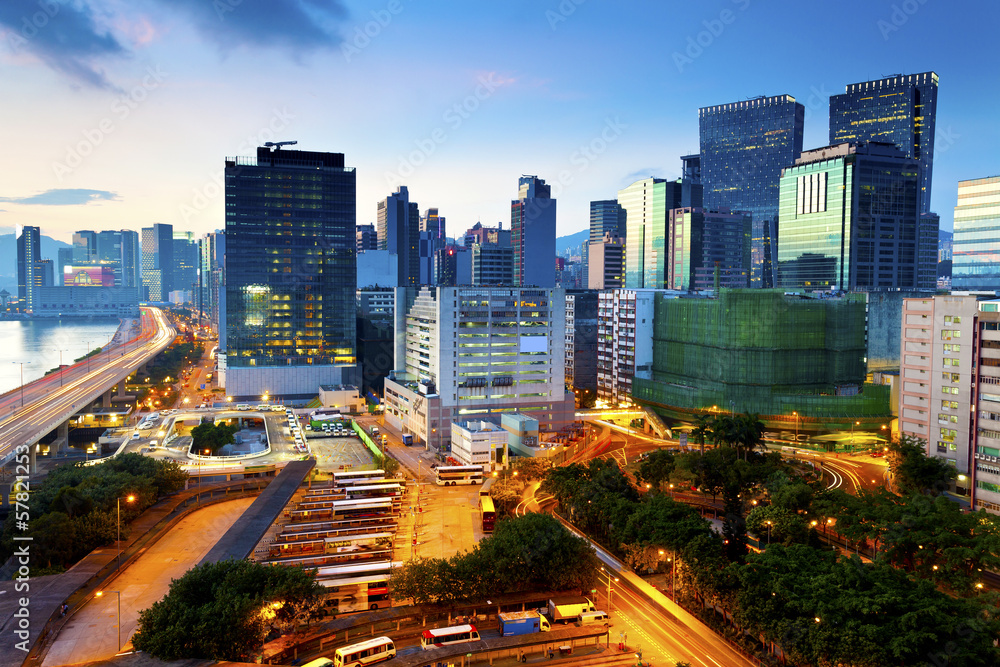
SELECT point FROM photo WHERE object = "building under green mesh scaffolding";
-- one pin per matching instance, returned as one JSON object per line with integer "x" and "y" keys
{"x": 765, "y": 352}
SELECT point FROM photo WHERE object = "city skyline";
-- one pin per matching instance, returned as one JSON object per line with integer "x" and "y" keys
{"x": 122, "y": 123}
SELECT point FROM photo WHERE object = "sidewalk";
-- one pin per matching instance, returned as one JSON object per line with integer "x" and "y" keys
{"x": 73, "y": 587}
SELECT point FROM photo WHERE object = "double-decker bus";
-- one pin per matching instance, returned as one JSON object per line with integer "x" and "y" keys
{"x": 380, "y": 554}
{"x": 438, "y": 637}
{"x": 299, "y": 532}
{"x": 367, "y": 652}
{"x": 488, "y": 513}
{"x": 341, "y": 479}
{"x": 357, "y": 587}
{"x": 380, "y": 490}
{"x": 452, "y": 475}
{"x": 487, "y": 486}
{"x": 365, "y": 508}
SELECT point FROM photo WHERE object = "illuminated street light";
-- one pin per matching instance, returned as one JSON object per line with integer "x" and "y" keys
{"x": 130, "y": 498}
{"x": 119, "y": 594}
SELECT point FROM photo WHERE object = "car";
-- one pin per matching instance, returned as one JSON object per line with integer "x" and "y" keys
{"x": 136, "y": 436}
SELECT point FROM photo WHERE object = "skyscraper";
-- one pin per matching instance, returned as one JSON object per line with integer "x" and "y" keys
{"x": 157, "y": 262}
{"x": 290, "y": 273}
{"x": 367, "y": 238}
{"x": 647, "y": 204}
{"x": 976, "y": 244}
{"x": 399, "y": 233}
{"x": 744, "y": 147}
{"x": 606, "y": 217}
{"x": 131, "y": 268}
{"x": 700, "y": 242}
{"x": 431, "y": 222}
{"x": 29, "y": 272}
{"x": 900, "y": 110}
{"x": 533, "y": 233}
{"x": 850, "y": 220}
{"x": 84, "y": 247}
{"x": 186, "y": 263}
{"x": 606, "y": 267}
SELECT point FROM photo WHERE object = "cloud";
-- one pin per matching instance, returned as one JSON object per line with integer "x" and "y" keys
{"x": 63, "y": 197}
{"x": 65, "y": 36}
{"x": 298, "y": 26}
{"x": 642, "y": 174}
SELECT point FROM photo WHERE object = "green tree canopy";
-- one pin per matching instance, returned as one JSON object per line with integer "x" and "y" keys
{"x": 914, "y": 471}
{"x": 223, "y": 611}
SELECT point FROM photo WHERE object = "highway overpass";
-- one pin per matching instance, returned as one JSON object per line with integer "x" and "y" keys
{"x": 36, "y": 409}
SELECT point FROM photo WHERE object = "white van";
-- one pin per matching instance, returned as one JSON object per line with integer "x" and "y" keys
{"x": 591, "y": 617}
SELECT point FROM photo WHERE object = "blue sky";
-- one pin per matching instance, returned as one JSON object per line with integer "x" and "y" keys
{"x": 119, "y": 113}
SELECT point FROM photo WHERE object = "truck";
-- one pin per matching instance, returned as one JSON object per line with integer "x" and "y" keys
{"x": 407, "y": 439}
{"x": 522, "y": 623}
{"x": 568, "y": 608}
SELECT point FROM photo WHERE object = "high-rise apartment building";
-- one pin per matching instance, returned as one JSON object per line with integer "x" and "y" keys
{"x": 744, "y": 147}
{"x": 157, "y": 262}
{"x": 399, "y": 233}
{"x": 606, "y": 263}
{"x": 29, "y": 269}
{"x": 701, "y": 242}
{"x": 367, "y": 237}
{"x": 290, "y": 273}
{"x": 624, "y": 341}
{"x": 131, "y": 260}
{"x": 211, "y": 276}
{"x": 900, "y": 110}
{"x": 533, "y": 233}
{"x": 581, "y": 340}
{"x": 475, "y": 352}
{"x": 850, "y": 220}
{"x": 950, "y": 395}
{"x": 647, "y": 204}
{"x": 607, "y": 217}
{"x": 976, "y": 244}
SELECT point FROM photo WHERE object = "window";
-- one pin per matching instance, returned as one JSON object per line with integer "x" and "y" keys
{"x": 951, "y": 362}
{"x": 948, "y": 434}
{"x": 950, "y": 377}
{"x": 949, "y": 405}
{"x": 949, "y": 390}
{"x": 948, "y": 334}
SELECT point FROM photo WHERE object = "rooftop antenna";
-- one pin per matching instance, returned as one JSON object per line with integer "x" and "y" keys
{"x": 279, "y": 144}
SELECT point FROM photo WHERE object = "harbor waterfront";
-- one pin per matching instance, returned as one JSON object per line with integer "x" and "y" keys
{"x": 37, "y": 344}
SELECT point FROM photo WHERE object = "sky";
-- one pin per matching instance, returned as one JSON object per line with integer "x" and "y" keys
{"x": 117, "y": 114}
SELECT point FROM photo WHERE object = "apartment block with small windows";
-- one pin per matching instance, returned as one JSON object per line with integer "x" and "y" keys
{"x": 950, "y": 368}
{"x": 475, "y": 353}
{"x": 624, "y": 341}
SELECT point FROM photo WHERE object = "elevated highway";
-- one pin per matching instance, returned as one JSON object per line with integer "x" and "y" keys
{"x": 34, "y": 410}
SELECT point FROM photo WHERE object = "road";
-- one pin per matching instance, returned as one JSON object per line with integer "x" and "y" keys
{"x": 651, "y": 621}
{"x": 54, "y": 398}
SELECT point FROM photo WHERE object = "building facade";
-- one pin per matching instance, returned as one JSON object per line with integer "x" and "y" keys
{"x": 581, "y": 340}
{"x": 469, "y": 353}
{"x": 492, "y": 264}
{"x": 479, "y": 443}
{"x": 647, "y": 204}
{"x": 607, "y": 217}
{"x": 606, "y": 263}
{"x": 900, "y": 110}
{"x": 29, "y": 269}
{"x": 850, "y": 220}
{"x": 366, "y": 237}
{"x": 744, "y": 147}
{"x": 399, "y": 234}
{"x": 157, "y": 262}
{"x": 975, "y": 247}
{"x": 533, "y": 233}
{"x": 701, "y": 242}
{"x": 290, "y": 273}
{"x": 624, "y": 341}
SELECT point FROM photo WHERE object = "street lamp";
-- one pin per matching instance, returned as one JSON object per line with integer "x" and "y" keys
{"x": 119, "y": 594}
{"x": 21, "y": 364}
{"x": 796, "y": 414}
{"x": 852, "y": 435}
{"x": 768, "y": 532}
{"x": 610, "y": 578}
{"x": 130, "y": 498}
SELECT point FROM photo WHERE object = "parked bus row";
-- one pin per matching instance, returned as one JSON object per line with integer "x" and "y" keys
{"x": 347, "y": 509}
{"x": 329, "y": 545}
{"x": 321, "y": 529}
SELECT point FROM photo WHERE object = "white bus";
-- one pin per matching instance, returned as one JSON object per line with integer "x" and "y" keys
{"x": 364, "y": 653}
{"x": 354, "y": 476}
{"x": 439, "y": 637}
{"x": 452, "y": 475}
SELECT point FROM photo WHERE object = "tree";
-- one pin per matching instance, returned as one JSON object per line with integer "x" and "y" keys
{"x": 657, "y": 467}
{"x": 388, "y": 464}
{"x": 223, "y": 611}
{"x": 531, "y": 468}
{"x": 912, "y": 470}
{"x": 701, "y": 430}
{"x": 212, "y": 436}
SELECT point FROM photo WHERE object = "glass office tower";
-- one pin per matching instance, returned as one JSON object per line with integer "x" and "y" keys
{"x": 606, "y": 217}
{"x": 744, "y": 147}
{"x": 290, "y": 273}
{"x": 976, "y": 244}
{"x": 850, "y": 220}
{"x": 533, "y": 233}
{"x": 900, "y": 110}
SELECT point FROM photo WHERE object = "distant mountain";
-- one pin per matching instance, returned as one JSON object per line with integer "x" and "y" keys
{"x": 945, "y": 236}
{"x": 8, "y": 257}
{"x": 571, "y": 245}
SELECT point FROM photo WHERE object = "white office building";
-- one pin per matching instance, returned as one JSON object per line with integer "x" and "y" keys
{"x": 479, "y": 443}
{"x": 470, "y": 352}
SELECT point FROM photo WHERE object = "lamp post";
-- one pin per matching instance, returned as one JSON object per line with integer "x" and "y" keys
{"x": 768, "y": 532}
{"x": 853, "y": 424}
{"x": 21, "y": 364}
{"x": 118, "y": 541}
{"x": 796, "y": 414}
{"x": 88, "y": 354}
{"x": 610, "y": 578}
{"x": 119, "y": 594}
{"x": 60, "y": 368}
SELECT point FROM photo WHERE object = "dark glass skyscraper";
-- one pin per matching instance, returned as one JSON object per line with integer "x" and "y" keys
{"x": 606, "y": 217}
{"x": 533, "y": 233}
{"x": 157, "y": 262}
{"x": 900, "y": 110}
{"x": 29, "y": 273}
{"x": 744, "y": 147}
{"x": 399, "y": 233}
{"x": 290, "y": 273}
